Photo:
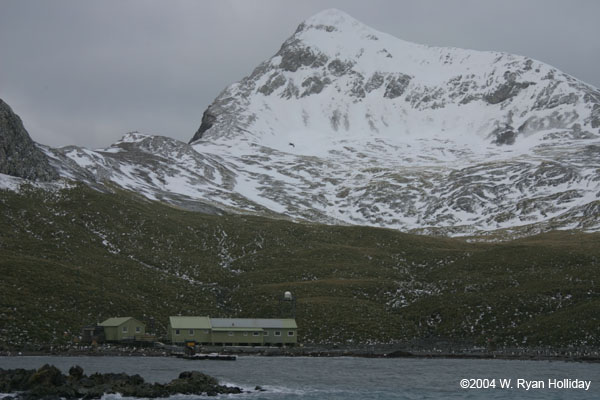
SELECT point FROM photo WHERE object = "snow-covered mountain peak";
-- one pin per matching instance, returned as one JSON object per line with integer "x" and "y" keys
{"x": 339, "y": 36}
{"x": 337, "y": 79}
{"x": 345, "y": 124}
{"x": 336, "y": 29}
{"x": 332, "y": 17}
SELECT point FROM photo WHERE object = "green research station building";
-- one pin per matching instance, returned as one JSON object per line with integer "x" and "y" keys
{"x": 122, "y": 328}
{"x": 189, "y": 329}
{"x": 233, "y": 331}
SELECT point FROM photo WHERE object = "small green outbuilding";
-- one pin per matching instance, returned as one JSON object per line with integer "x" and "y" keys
{"x": 117, "y": 329}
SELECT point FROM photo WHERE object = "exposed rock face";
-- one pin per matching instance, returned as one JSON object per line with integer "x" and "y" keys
{"x": 596, "y": 116}
{"x": 396, "y": 86}
{"x": 19, "y": 155}
{"x": 508, "y": 89}
{"x": 504, "y": 135}
{"x": 208, "y": 119}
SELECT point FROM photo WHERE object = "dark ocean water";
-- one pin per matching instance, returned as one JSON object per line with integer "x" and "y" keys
{"x": 348, "y": 378}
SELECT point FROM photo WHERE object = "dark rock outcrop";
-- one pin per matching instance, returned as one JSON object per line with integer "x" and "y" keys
{"x": 506, "y": 90}
{"x": 505, "y": 135}
{"x": 314, "y": 85}
{"x": 396, "y": 86}
{"x": 295, "y": 55}
{"x": 208, "y": 119}
{"x": 49, "y": 383}
{"x": 19, "y": 155}
{"x": 338, "y": 67}
{"x": 596, "y": 116}
{"x": 374, "y": 82}
{"x": 276, "y": 80}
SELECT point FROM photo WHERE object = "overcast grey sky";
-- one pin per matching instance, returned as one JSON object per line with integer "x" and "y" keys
{"x": 85, "y": 72}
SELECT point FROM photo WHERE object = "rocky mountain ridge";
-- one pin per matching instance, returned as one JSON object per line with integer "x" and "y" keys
{"x": 348, "y": 125}
{"x": 19, "y": 155}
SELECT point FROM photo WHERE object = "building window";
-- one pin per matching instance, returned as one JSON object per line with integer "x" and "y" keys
{"x": 191, "y": 332}
{"x": 290, "y": 333}
{"x": 138, "y": 329}
{"x": 245, "y": 333}
{"x": 177, "y": 331}
{"x": 266, "y": 333}
{"x": 124, "y": 329}
{"x": 277, "y": 333}
{"x": 255, "y": 333}
{"x": 230, "y": 333}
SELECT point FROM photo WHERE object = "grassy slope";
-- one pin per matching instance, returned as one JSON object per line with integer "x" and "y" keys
{"x": 77, "y": 256}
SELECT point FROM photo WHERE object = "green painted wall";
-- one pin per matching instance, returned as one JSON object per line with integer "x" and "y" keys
{"x": 110, "y": 333}
{"x": 185, "y": 335}
{"x": 125, "y": 331}
{"x": 271, "y": 337}
{"x": 237, "y": 337}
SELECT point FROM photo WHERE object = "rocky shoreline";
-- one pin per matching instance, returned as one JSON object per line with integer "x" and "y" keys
{"x": 375, "y": 351}
{"x": 49, "y": 383}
